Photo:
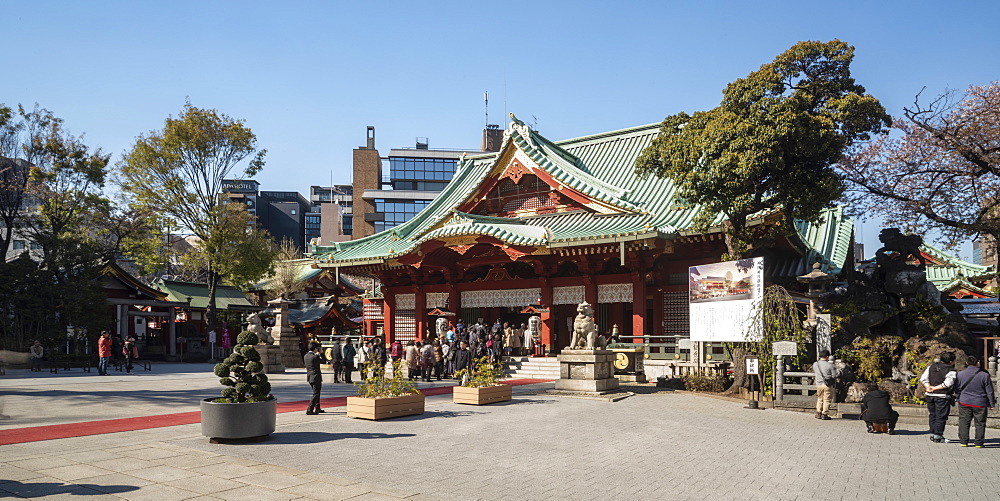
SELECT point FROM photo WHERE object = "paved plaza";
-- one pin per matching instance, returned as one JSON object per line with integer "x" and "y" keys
{"x": 654, "y": 445}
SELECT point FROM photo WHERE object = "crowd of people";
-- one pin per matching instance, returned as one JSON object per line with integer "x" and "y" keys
{"x": 434, "y": 358}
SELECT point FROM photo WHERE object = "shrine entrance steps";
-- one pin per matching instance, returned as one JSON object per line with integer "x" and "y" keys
{"x": 532, "y": 367}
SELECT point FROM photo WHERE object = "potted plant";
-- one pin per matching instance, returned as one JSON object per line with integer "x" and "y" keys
{"x": 381, "y": 397}
{"x": 481, "y": 384}
{"x": 246, "y": 409}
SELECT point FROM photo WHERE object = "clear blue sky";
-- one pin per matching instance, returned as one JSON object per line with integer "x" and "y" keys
{"x": 309, "y": 76}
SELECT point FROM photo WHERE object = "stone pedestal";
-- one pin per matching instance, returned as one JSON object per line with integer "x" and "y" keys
{"x": 285, "y": 337}
{"x": 270, "y": 356}
{"x": 587, "y": 371}
{"x": 287, "y": 340}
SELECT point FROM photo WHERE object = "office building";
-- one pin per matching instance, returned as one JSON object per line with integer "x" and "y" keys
{"x": 416, "y": 176}
{"x": 281, "y": 213}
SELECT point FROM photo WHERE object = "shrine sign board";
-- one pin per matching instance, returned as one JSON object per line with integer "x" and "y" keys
{"x": 784, "y": 348}
{"x": 721, "y": 298}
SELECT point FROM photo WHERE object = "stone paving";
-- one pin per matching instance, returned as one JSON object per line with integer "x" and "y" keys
{"x": 668, "y": 445}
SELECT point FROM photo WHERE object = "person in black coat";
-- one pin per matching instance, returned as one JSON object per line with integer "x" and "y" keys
{"x": 314, "y": 376}
{"x": 349, "y": 352}
{"x": 337, "y": 359}
{"x": 875, "y": 408}
{"x": 462, "y": 357}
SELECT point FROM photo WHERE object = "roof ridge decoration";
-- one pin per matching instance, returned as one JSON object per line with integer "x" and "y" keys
{"x": 564, "y": 172}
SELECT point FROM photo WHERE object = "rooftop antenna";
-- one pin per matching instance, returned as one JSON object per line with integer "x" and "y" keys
{"x": 486, "y": 97}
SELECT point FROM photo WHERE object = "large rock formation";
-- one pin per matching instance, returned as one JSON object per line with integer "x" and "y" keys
{"x": 894, "y": 298}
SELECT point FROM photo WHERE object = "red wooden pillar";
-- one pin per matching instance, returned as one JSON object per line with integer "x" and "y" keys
{"x": 420, "y": 312}
{"x": 388, "y": 313}
{"x": 548, "y": 317}
{"x": 638, "y": 307}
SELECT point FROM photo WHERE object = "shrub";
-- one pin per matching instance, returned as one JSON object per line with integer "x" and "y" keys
{"x": 484, "y": 372}
{"x": 240, "y": 374}
{"x": 379, "y": 386}
{"x": 704, "y": 382}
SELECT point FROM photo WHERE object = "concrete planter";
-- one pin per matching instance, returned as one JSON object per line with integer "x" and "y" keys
{"x": 481, "y": 396}
{"x": 385, "y": 407}
{"x": 237, "y": 421}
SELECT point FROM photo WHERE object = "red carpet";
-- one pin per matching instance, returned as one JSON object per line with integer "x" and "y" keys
{"x": 51, "y": 432}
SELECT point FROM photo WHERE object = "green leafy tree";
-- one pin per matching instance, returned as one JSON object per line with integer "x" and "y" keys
{"x": 179, "y": 171}
{"x": 22, "y": 135}
{"x": 60, "y": 206}
{"x": 770, "y": 145}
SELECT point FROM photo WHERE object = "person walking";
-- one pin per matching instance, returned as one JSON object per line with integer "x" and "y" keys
{"x": 104, "y": 352}
{"x": 314, "y": 376}
{"x": 130, "y": 352}
{"x": 412, "y": 359}
{"x": 939, "y": 381}
{"x": 348, "y": 364}
{"x": 974, "y": 391}
{"x": 826, "y": 376}
{"x": 37, "y": 352}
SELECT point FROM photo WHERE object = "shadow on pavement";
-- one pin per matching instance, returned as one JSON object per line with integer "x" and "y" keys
{"x": 312, "y": 437}
{"x": 522, "y": 401}
{"x": 906, "y": 432}
{"x": 436, "y": 414}
{"x": 41, "y": 489}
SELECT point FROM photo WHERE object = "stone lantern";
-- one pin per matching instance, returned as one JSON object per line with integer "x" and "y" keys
{"x": 818, "y": 282}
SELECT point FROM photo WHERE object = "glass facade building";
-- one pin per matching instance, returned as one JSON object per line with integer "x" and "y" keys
{"x": 395, "y": 212}
{"x": 421, "y": 174}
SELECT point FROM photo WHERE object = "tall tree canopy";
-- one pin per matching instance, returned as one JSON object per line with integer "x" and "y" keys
{"x": 178, "y": 171}
{"x": 770, "y": 144}
{"x": 51, "y": 193}
{"x": 939, "y": 169}
{"x": 22, "y": 138}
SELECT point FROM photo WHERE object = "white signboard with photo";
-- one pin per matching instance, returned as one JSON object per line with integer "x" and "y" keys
{"x": 721, "y": 298}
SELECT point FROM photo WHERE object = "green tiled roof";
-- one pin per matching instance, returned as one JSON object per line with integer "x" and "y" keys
{"x": 963, "y": 283}
{"x": 601, "y": 167}
{"x": 953, "y": 269}
{"x": 226, "y": 296}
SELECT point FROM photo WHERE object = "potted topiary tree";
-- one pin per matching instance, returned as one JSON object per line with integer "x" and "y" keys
{"x": 247, "y": 409}
{"x": 381, "y": 397}
{"x": 481, "y": 384}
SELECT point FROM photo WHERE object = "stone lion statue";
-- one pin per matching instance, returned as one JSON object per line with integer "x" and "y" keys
{"x": 585, "y": 336}
{"x": 255, "y": 326}
{"x": 894, "y": 240}
{"x": 441, "y": 327}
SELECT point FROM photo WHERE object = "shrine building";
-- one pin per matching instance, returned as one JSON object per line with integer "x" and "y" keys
{"x": 540, "y": 226}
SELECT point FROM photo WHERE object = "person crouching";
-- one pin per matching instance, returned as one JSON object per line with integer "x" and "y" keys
{"x": 877, "y": 412}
